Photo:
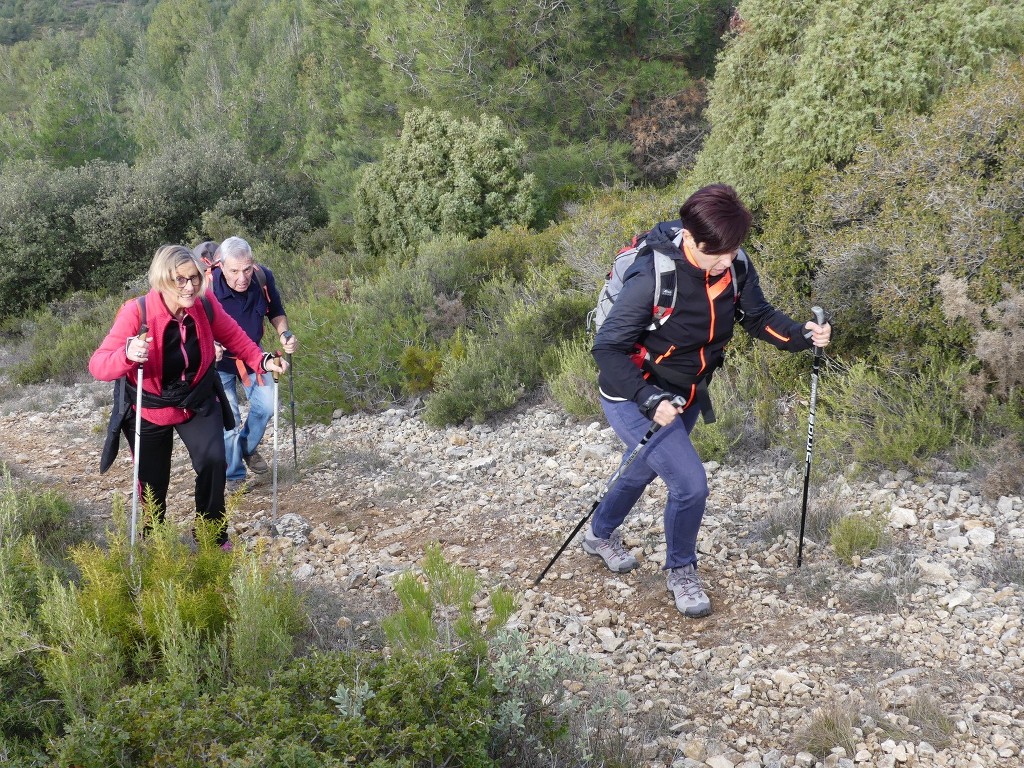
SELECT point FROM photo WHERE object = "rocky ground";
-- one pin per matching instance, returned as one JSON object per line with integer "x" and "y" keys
{"x": 920, "y": 646}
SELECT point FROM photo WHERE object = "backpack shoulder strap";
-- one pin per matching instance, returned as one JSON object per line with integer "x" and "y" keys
{"x": 665, "y": 288}
{"x": 208, "y": 307}
{"x": 261, "y": 281}
{"x": 740, "y": 267}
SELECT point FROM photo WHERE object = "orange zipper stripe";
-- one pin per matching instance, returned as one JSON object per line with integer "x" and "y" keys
{"x": 778, "y": 336}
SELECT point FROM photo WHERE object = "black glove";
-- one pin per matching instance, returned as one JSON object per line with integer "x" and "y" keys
{"x": 650, "y": 406}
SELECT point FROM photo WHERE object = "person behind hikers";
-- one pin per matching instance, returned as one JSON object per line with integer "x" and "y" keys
{"x": 181, "y": 390}
{"x": 643, "y": 372}
{"x": 247, "y": 296}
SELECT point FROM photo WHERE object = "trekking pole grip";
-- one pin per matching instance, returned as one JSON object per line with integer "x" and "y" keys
{"x": 819, "y": 314}
{"x": 141, "y": 336}
{"x": 275, "y": 373}
{"x": 819, "y": 318}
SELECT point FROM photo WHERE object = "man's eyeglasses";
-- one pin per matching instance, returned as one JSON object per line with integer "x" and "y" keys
{"x": 196, "y": 280}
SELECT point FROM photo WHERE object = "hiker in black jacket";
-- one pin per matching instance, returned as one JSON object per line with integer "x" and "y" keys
{"x": 660, "y": 372}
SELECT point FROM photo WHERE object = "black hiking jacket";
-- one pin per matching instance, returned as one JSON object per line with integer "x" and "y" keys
{"x": 680, "y": 356}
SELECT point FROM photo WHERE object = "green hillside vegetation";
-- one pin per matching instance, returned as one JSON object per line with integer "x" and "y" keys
{"x": 191, "y": 656}
{"x": 441, "y": 196}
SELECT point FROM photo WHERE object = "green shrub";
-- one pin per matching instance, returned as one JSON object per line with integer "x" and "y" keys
{"x": 602, "y": 224}
{"x": 445, "y": 176}
{"x": 96, "y": 226}
{"x": 857, "y": 535}
{"x": 889, "y": 418}
{"x": 933, "y": 269}
{"x": 438, "y": 612}
{"x": 30, "y": 709}
{"x": 364, "y": 326}
{"x": 540, "y": 721}
{"x": 799, "y": 84}
{"x": 508, "y": 358}
{"x": 573, "y": 383}
{"x": 62, "y": 338}
{"x": 42, "y": 252}
{"x": 163, "y": 604}
{"x": 428, "y": 711}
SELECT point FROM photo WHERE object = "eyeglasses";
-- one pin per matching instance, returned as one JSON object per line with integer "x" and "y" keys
{"x": 196, "y": 280}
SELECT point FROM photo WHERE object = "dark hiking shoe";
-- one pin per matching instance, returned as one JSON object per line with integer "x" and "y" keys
{"x": 237, "y": 486}
{"x": 255, "y": 463}
{"x": 615, "y": 556}
{"x": 685, "y": 586}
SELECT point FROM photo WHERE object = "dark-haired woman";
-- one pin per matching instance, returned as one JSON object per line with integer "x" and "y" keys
{"x": 181, "y": 389}
{"x": 659, "y": 371}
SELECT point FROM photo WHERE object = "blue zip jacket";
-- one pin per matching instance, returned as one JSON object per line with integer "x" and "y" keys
{"x": 248, "y": 309}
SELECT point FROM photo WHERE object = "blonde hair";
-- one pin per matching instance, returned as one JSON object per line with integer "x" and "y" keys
{"x": 163, "y": 269}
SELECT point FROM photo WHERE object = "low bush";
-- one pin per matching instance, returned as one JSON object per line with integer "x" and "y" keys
{"x": 857, "y": 535}
{"x": 184, "y": 657}
{"x": 573, "y": 382}
{"x": 62, "y": 337}
{"x": 890, "y": 418}
{"x": 30, "y": 708}
{"x": 423, "y": 711}
{"x": 510, "y": 356}
{"x": 540, "y": 722}
{"x": 830, "y": 726}
{"x": 364, "y": 328}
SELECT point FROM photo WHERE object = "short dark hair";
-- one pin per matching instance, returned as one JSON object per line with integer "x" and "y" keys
{"x": 716, "y": 217}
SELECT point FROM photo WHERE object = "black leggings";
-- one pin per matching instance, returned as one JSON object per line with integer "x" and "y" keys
{"x": 203, "y": 436}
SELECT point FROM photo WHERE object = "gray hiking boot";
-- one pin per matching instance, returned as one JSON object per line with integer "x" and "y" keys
{"x": 685, "y": 586}
{"x": 256, "y": 463}
{"x": 615, "y": 556}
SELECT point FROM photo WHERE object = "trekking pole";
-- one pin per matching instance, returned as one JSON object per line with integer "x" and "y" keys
{"x": 143, "y": 330}
{"x": 291, "y": 395}
{"x": 277, "y": 402}
{"x": 819, "y": 318}
{"x": 614, "y": 478}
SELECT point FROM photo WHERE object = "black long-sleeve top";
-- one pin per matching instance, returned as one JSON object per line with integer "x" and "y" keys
{"x": 691, "y": 344}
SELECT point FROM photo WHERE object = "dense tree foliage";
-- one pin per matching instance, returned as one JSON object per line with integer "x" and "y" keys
{"x": 802, "y": 81}
{"x": 444, "y": 177}
{"x": 98, "y": 225}
{"x": 322, "y": 85}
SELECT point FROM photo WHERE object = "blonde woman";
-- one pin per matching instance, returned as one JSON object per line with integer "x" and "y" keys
{"x": 181, "y": 391}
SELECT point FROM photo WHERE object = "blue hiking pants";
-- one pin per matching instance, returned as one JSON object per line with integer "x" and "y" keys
{"x": 670, "y": 455}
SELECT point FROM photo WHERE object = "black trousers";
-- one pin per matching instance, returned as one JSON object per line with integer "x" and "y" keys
{"x": 203, "y": 436}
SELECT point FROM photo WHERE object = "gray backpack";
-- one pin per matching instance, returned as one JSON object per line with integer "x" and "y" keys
{"x": 665, "y": 289}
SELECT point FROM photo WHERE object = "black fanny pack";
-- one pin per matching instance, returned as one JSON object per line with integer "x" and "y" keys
{"x": 175, "y": 396}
